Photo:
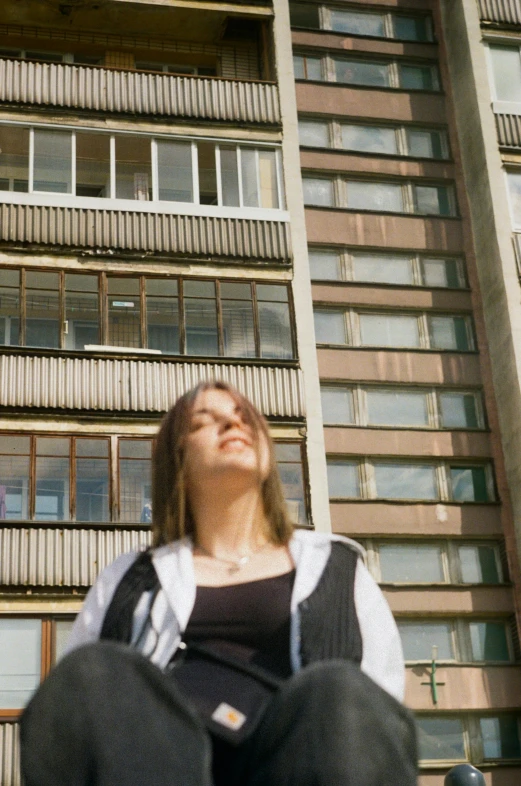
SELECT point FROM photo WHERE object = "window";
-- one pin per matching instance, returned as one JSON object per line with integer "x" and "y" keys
{"x": 313, "y": 133}
{"x": 389, "y": 330}
{"x": 514, "y": 187}
{"x": 380, "y": 267}
{"x": 303, "y": 15}
{"x": 459, "y": 640}
{"x": 342, "y": 479}
{"x": 436, "y": 562}
{"x": 318, "y": 191}
{"x": 362, "y": 23}
{"x": 358, "y": 23}
{"x": 362, "y": 72}
{"x": 100, "y": 478}
{"x": 440, "y": 738}
{"x": 307, "y": 67}
{"x": 226, "y": 318}
{"x": 489, "y": 641}
{"x": 426, "y": 144}
{"x": 138, "y": 168}
{"x": 418, "y": 77}
{"x": 405, "y": 481}
{"x": 459, "y": 410}
{"x": 450, "y": 333}
{"x": 506, "y": 73}
{"x": 381, "y": 197}
{"x": 25, "y": 644}
{"x": 330, "y": 327}
{"x": 419, "y": 638}
{"x": 471, "y": 484}
{"x": 337, "y": 405}
{"x": 369, "y": 139}
{"x": 433, "y": 200}
{"x": 397, "y": 408}
{"x": 500, "y": 735}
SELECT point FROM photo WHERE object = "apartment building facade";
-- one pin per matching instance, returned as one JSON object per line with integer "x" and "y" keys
{"x": 160, "y": 226}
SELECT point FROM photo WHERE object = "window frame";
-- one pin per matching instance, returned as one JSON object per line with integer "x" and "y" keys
{"x": 461, "y": 639}
{"x": 324, "y": 15}
{"x": 499, "y": 106}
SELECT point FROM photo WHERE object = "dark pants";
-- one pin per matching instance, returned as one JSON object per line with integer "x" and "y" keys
{"x": 107, "y": 717}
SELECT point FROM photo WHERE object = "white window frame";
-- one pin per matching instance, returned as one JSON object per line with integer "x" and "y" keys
{"x": 501, "y": 107}
{"x": 516, "y": 222}
{"x": 133, "y": 205}
{"x": 489, "y": 480}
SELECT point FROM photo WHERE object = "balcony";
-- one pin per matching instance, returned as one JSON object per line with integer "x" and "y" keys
{"x": 9, "y": 754}
{"x": 500, "y": 11}
{"x": 71, "y": 86}
{"x": 509, "y": 130}
{"x": 116, "y": 385}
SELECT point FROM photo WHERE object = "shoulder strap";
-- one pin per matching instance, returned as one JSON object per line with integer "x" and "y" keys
{"x": 139, "y": 578}
{"x": 329, "y": 625}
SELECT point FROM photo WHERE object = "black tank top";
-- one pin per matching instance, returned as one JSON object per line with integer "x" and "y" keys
{"x": 250, "y": 621}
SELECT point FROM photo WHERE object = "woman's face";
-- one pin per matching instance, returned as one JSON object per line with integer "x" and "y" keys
{"x": 220, "y": 446}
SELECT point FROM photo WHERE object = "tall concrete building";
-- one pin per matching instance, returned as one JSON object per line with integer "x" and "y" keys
{"x": 160, "y": 226}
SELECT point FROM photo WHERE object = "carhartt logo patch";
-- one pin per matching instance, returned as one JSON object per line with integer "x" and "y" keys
{"x": 228, "y": 716}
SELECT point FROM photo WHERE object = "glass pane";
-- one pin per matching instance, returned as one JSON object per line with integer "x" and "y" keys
{"x": 405, "y": 481}
{"x": 275, "y": 330}
{"x": 92, "y": 165}
{"x": 458, "y": 410}
{"x": 20, "y": 661}
{"x": 235, "y": 290}
{"x": 250, "y": 183}
{"x": 381, "y": 330}
{"x": 440, "y": 738}
{"x": 52, "y": 446}
{"x": 9, "y": 305}
{"x": 124, "y": 312}
{"x": 162, "y": 286}
{"x": 317, "y": 191}
{"x": 277, "y": 292}
{"x": 201, "y": 327}
{"x": 441, "y": 273}
{"x": 174, "y": 171}
{"x": 506, "y": 69}
{"x": 135, "y": 490}
{"x": 385, "y": 197}
{"x": 163, "y": 324}
{"x": 449, "y": 333}
{"x": 52, "y": 489}
{"x": 313, "y": 133}
{"x": 418, "y": 639}
{"x": 238, "y": 333}
{"x": 93, "y": 448}
{"x": 207, "y": 173}
{"x": 293, "y": 487}
{"x": 229, "y": 175}
{"x": 81, "y": 311}
{"x": 514, "y": 185}
{"x": 359, "y": 72}
{"x": 304, "y": 15}
{"x": 14, "y": 478}
{"x": 133, "y": 168}
{"x": 382, "y": 269}
{"x": 14, "y": 158}
{"x": 135, "y": 448}
{"x": 408, "y": 563}
{"x": 325, "y": 266}
{"x": 92, "y": 489}
{"x": 42, "y": 323}
{"x": 479, "y": 565}
{"x": 342, "y": 479}
{"x": 369, "y": 139}
{"x": 287, "y": 451}
{"x": 62, "y": 631}
{"x": 469, "y": 484}
{"x": 411, "y": 28}
{"x": 425, "y": 144}
{"x": 500, "y": 737}
{"x": 417, "y": 77}
{"x": 357, "y": 23}
{"x": 489, "y": 641}
{"x": 433, "y": 200}
{"x": 390, "y": 408}
{"x": 199, "y": 288}
{"x": 330, "y": 327}
{"x": 337, "y": 405}
{"x": 268, "y": 179}
{"x": 52, "y": 161}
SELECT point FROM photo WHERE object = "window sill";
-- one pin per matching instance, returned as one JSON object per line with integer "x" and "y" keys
{"x": 137, "y": 206}
{"x": 420, "y": 429}
{"x": 368, "y": 154}
{"x": 419, "y": 350}
{"x": 361, "y": 37}
{"x": 387, "y": 285}
{"x": 33, "y": 524}
{"x": 434, "y": 502}
{"x": 362, "y": 211}
{"x": 405, "y": 91}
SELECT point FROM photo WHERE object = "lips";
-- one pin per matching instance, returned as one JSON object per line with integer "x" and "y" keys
{"x": 239, "y": 439}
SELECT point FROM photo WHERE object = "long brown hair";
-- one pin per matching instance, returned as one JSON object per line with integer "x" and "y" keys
{"x": 171, "y": 517}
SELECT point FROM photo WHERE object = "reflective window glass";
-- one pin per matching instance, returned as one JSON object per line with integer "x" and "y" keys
{"x": 369, "y": 139}
{"x": 425, "y": 144}
{"x": 317, "y": 191}
{"x": 174, "y": 171}
{"x": 274, "y": 328}
{"x": 342, "y": 479}
{"x": 357, "y": 23}
{"x": 416, "y": 564}
{"x": 458, "y": 410}
{"x": 479, "y": 564}
{"x": 500, "y": 735}
{"x": 405, "y": 481}
{"x": 441, "y": 273}
{"x": 313, "y": 133}
{"x": 307, "y": 67}
{"x": 52, "y": 479}
{"x": 92, "y": 165}
{"x": 62, "y": 631}
{"x": 362, "y": 72}
{"x": 418, "y": 639}
{"x": 330, "y": 327}
{"x": 9, "y": 306}
{"x": 440, "y": 738}
{"x": 14, "y": 477}
{"x": 269, "y": 196}
{"x": 162, "y": 316}
{"x": 514, "y": 185}
{"x": 124, "y": 312}
{"x": 207, "y": 173}
{"x": 52, "y": 161}
{"x": 133, "y": 168}
{"x": 384, "y": 197}
{"x": 325, "y": 265}
{"x": 304, "y": 15}
{"x": 92, "y": 480}
{"x": 14, "y": 158}
{"x": 396, "y": 408}
{"x": 20, "y": 661}
{"x": 337, "y": 405}
{"x": 229, "y": 175}
{"x": 42, "y": 310}
{"x": 385, "y": 330}
{"x": 469, "y": 484}
{"x": 135, "y": 481}
{"x": 250, "y": 181}
{"x": 416, "y": 77}
{"x": 411, "y": 28}
{"x": 289, "y": 463}
{"x": 489, "y": 641}
{"x": 382, "y": 268}
{"x": 506, "y": 70}
{"x": 237, "y": 320}
{"x": 82, "y": 326}
{"x": 201, "y": 322}
{"x": 433, "y": 200}
{"x": 449, "y": 333}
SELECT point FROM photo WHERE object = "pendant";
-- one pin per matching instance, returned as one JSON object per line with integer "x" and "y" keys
{"x": 239, "y": 564}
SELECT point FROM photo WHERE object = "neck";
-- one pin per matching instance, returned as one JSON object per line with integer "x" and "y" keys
{"x": 229, "y": 526}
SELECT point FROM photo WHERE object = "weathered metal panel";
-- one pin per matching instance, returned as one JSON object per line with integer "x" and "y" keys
{"x": 151, "y": 232}
{"x": 10, "y": 754}
{"x": 81, "y": 87}
{"x": 509, "y": 130}
{"x": 62, "y": 556}
{"x": 117, "y": 385}
{"x": 508, "y": 11}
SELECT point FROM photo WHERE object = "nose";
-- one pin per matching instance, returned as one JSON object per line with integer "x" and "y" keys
{"x": 231, "y": 420}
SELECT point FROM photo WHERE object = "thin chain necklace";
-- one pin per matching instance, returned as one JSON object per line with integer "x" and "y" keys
{"x": 234, "y": 565}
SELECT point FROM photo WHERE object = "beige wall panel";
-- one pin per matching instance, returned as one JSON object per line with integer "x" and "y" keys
{"x": 346, "y": 44}
{"x": 420, "y": 368}
{"x": 427, "y": 601}
{"x": 374, "y": 519}
{"x": 354, "y": 295}
{"x": 380, "y": 442}
{"x": 384, "y": 104}
{"x": 466, "y": 688}
{"x": 381, "y": 231}
{"x": 344, "y": 162}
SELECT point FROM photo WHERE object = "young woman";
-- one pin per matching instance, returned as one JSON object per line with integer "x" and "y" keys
{"x": 237, "y": 651}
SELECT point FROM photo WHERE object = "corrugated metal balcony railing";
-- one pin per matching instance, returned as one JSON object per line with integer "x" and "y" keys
{"x": 509, "y": 130}
{"x": 159, "y": 233}
{"x": 62, "y": 556}
{"x": 9, "y": 754}
{"x": 133, "y": 92}
{"x": 507, "y": 11}
{"x": 119, "y": 385}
